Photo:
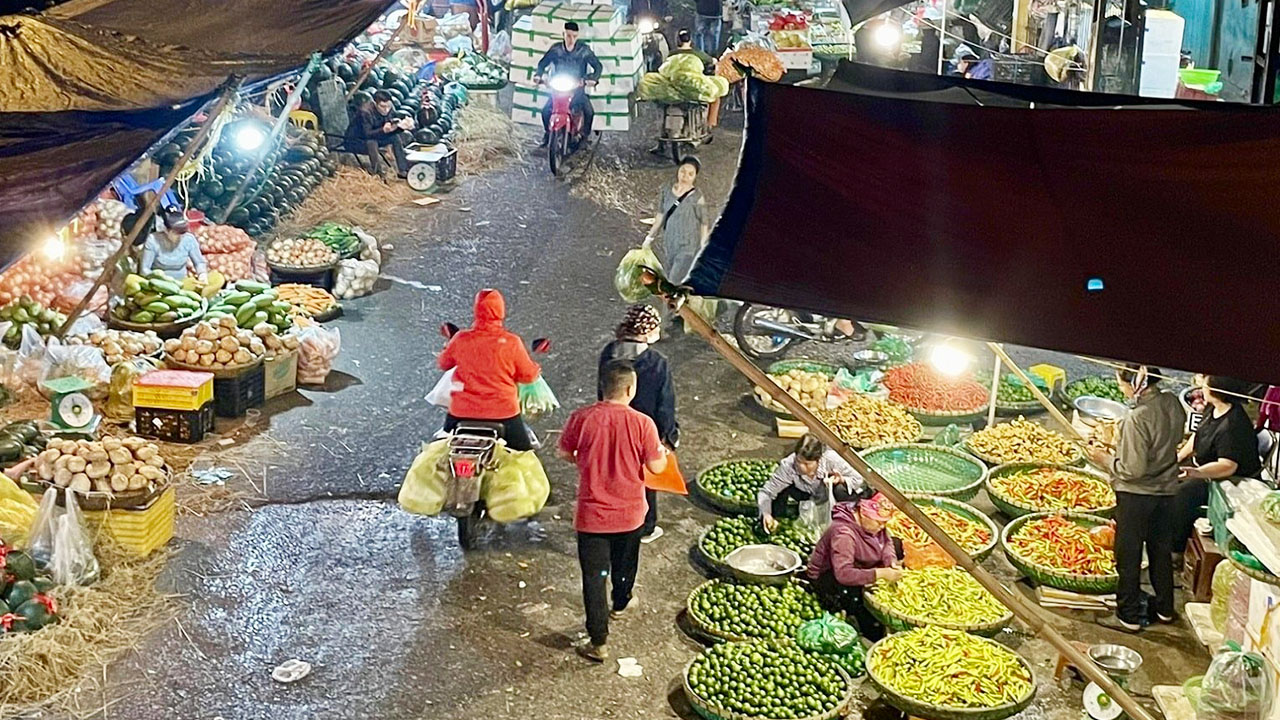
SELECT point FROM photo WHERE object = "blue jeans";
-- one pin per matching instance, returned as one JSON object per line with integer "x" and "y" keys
{"x": 706, "y": 34}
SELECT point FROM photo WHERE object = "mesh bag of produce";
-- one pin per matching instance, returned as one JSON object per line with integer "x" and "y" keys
{"x": 1224, "y": 578}
{"x": 517, "y": 488}
{"x": 426, "y": 483}
{"x": 1237, "y": 686}
{"x": 828, "y": 634}
{"x": 626, "y": 280}
{"x": 682, "y": 64}
{"x": 536, "y": 398}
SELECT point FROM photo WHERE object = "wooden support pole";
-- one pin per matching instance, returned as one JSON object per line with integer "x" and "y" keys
{"x": 1024, "y": 609}
{"x": 995, "y": 388}
{"x": 1044, "y": 400}
{"x": 229, "y": 90}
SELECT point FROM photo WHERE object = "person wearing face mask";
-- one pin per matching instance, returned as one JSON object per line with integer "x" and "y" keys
{"x": 1144, "y": 470}
{"x": 854, "y": 552}
{"x": 655, "y": 391}
{"x": 171, "y": 250}
{"x": 682, "y": 221}
{"x": 813, "y": 472}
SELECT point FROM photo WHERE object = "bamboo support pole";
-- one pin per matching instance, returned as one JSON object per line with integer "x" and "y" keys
{"x": 1024, "y": 609}
{"x": 229, "y": 90}
{"x": 1044, "y": 400}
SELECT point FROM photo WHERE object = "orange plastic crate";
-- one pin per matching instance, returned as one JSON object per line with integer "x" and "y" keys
{"x": 173, "y": 390}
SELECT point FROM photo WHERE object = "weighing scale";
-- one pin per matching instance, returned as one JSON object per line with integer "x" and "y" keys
{"x": 1120, "y": 663}
{"x": 71, "y": 411}
{"x": 430, "y": 165}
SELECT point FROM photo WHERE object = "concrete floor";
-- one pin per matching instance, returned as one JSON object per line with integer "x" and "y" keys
{"x": 398, "y": 623}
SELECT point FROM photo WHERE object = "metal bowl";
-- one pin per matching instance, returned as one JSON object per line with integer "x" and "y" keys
{"x": 766, "y": 562}
{"x": 1097, "y": 408}
{"x": 1117, "y": 661}
{"x": 874, "y": 358}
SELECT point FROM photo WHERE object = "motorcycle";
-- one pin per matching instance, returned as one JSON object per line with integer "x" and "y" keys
{"x": 564, "y": 133}
{"x": 766, "y": 333}
{"x": 655, "y": 46}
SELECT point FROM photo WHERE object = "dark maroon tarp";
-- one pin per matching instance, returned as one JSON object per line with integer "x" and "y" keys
{"x": 923, "y": 205}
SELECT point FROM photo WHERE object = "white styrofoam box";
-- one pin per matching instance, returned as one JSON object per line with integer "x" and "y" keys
{"x": 607, "y": 85}
{"x": 526, "y": 116}
{"x": 1163, "y": 33}
{"x": 795, "y": 58}
{"x": 528, "y": 60}
{"x": 612, "y": 112}
{"x": 602, "y": 121}
{"x": 624, "y": 43}
{"x": 594, "y": 21}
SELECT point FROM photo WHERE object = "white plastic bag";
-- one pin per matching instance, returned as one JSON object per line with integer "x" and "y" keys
{"x": 442, "y": 393}
{"x": 317, "y": 347}
{"x": 31, "y": 356}
{"x": 73, "y": 562}
{"x": 44, "y": 528}
{"x": 83, "y": 361}
{"x": 815, "y": 516}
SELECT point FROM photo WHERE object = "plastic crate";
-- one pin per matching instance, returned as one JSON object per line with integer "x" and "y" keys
{"x": 139, "y": 530}
{"x": 180, "y": 426}
{"x": 319, "y": 278}
{"x": 232, "y": 396}
{"x": 173, "y": 390}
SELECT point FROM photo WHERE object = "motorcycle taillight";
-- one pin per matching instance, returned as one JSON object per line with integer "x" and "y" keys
{"x": 464, "y": 467}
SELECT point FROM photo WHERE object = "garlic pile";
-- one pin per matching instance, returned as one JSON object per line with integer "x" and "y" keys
{"x": 119, "y": 345}
{"x": 215, "y": 344}
{"x": 301, "y": 252}
{"x": 111, "y": 465}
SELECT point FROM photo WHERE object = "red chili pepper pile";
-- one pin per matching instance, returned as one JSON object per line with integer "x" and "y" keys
{"x": 921, "y": 387}
{"x": 1045, "y": 489}
{"x": 1057, "y": 542}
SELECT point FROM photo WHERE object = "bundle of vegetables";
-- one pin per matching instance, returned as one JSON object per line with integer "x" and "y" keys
{"x": 1095, "y": 385}
{"x": 680, "y": 79}
{"x": 737, "y": 480}
{"x": 756, "y": 61}
{"x": 1023, "y": 441}
{"x": 107, "y": 466}
{"x": 1057, "y": 542}
{"x": 728, "y": 608}
{"x": 474, "y": 70}
{"x": 248, "y": 304}
{"x": 1012, "y": 390}
{"x": 24, "y": 606}
{"x": 940, "y": 595}
{"x": 217, "y": 344}
{"x": 118, "y": 346}
{"x": 968, "y": 533}
{"x": 770, "y": 679}
{"x": 731, "y": 533}
{"x": 26, "y": 311}
{"x": 20, "y": 440}
{"x": 306, "y": 300}
{"x": 920, "y": 387}
{"x": 156, "y": 298}
{"x": 340, "y": 238}
{"x": 301, "y": 253}
{"x": 949, "y": 668}
{"x": 810, "y": 388}
{"x": 1045, "y": 489}
{"x": 864, "y": 421}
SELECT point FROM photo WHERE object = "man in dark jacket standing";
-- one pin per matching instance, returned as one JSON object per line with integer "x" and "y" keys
{"x": 655, "y": 393}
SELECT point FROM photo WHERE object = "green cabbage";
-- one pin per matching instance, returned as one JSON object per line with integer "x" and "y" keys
{"x": 682, "y": 64}
{"x": 722, "y": 85}
{"x": 654, "y": 87}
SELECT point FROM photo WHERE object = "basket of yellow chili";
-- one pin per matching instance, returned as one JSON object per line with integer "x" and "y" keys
{"x": 1057, "y": 549}
{"x": 940, "y": 674}
{"x": 948, "y": 597}
{"x": 968, "y": 526}
{"x": 1018, "y": 489}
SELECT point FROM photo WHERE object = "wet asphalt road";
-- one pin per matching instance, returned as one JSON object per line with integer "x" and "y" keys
{"x": 396, "y": 621}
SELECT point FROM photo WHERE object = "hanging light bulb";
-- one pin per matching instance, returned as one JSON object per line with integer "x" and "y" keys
{"x": 949, "y": 358}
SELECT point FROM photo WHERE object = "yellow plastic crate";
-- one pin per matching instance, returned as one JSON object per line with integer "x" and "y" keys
{"x": 173, "y": 390}
{"x": 140, "y": 530}
{"x": 1053, "y": 376}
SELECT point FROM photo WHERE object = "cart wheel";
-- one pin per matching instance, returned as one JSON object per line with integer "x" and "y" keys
{"x": 422, "y": 176}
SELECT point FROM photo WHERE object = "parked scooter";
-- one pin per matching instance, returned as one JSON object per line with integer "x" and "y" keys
{"x": 766, "y": 333}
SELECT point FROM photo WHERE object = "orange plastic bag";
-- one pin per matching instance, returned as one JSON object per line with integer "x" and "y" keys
{"x": 669, "y": 480}
{"x": 930, "y": 555}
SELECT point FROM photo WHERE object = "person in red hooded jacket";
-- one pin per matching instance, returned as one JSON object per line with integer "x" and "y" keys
{"x": 854, "y": 552}
{"x": 490, "y": 363}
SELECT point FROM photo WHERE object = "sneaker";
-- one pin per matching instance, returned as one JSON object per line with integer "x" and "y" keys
{"x": 1167, "y": 619}
{"x": 657, "y": 533}
{"x": 594, "y": 653}
{"x": 1115, "y": 623}
{"x": 618, "y": 614}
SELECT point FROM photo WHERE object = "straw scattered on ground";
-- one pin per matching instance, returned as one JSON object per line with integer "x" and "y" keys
{"x": 351, "y": 197}
{"x": 610, "y": 182}
{"x": 487, "y": 139}
{"x": 57, "y": 665}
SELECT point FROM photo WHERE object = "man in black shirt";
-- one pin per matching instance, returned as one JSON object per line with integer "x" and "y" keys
{"x": 377, "y": 130}
{"x": 576, "y": 60}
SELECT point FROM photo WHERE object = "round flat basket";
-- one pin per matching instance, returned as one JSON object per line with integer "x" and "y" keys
{"x": 1053, "y": 577}
{"x": 783, "y": 366}
{"x": 709, "y": 711}
{"x": 1066, "y": 398}
{"x": 704, "y": 626}
{"x": 929, "y": 711}
{"x": 164, "y": 330}
{"x": 228, "y": 371}
{"x": 720, "y": 502}
{"x": 1014, "y": 509}
{"x": 1260, "y": 575}
{"x": 895, "y": 621}
{"x": 935, "y": 418}
{"x": 298, "y": 270}
{"x": 715, "y": 564}
{"x": 1014, "y": 409}
{"x": 94, "y": 501}
{"x": 928, "y": 469}
{"x": 964, "y": 510}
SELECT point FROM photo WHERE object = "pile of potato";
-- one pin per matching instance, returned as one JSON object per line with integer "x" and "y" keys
{"x": 111, "y": 465}
{"x": 216, "y": 344}
{"x": 119, "y": 345}
{"x": 810, "y": 388}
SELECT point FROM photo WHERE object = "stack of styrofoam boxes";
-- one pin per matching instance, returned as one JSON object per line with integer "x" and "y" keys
{"x": 616, "y": 45}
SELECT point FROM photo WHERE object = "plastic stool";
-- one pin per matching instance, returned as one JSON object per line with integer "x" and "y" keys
{"x": 304, "y": 119}
{"x": 1051, "y": 374}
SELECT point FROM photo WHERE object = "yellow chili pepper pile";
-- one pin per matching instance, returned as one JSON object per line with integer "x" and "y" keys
{"x": 940, "y": 595}
{"x": 1057, "y": 542}
{"x": 949, "y": 668}
{"x": 1023, "y": 441}
{"x": 969, "y": 534}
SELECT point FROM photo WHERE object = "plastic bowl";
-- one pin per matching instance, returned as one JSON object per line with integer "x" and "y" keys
{"x": 1198, "y": 76}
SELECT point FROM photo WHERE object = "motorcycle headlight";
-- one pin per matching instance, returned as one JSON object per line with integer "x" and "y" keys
{"x": 563, "y": 83}
{"x": 647, "y": 25}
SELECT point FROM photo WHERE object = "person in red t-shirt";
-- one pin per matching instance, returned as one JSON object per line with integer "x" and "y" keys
{"x": 490, "y": 362}
{"x": 612, "y": 445}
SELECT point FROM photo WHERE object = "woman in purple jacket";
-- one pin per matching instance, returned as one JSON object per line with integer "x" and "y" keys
{"x": 853, "y": 553}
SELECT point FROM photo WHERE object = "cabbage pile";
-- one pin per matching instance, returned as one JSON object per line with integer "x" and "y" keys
{"x": 680, "y": 79}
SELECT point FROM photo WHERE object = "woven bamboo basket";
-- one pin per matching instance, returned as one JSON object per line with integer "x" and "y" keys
{"x": 929, "y": 711}
{"x": 720, "y": 502}
{"x": 929, "y": 469}
{"x": 719, "y": 566}
{"x": 993, "y": 461}
{"x": 967, "y": 511}
{"x": 711, "y": 712}
{"x": 1014, "y": 509}
{"x": 895, "y": 621}
{"x": 1260, "y": 575}
{"x": 1061, "y": 579}
{"x": 705, "y": 627}
{"x": 783, "y": 366}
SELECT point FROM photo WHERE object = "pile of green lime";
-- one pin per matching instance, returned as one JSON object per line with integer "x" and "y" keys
{"x": 728, "y": 608}
{"x": 766, "y": 678}
{"x": 1095, "y": 385}
{"x": 738, "y": 480}
{"x": 729, "y": 534}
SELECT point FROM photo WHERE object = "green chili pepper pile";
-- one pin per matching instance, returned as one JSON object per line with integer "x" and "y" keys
{"x": 949, "y": 668}
{"x": 1059, "y": 543}
{"x": 767, "y": 679}
{"x": 729, "y": 534}
{"x": 754, "y": 611}
{"x": 940, "y": 595}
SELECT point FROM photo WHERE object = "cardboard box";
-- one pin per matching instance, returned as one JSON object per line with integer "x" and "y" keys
{"x": 594, "y": 21}
{"x": 796, "y": 58}
{"x": 281, "y": 374}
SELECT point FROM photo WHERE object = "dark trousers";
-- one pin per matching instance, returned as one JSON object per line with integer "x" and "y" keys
{"x": 1192, "y": 496}
{"x": 514, "y": 431}
{"x": 602, "y": 555}
{"x": 836, "y": 597}
{"x": 581, "y": 102}
{"x": 650, "y": 517}
{"x": 374, "y": 148}
{"x": 780, "y": 508}
{"x": 1144, "y": 520}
